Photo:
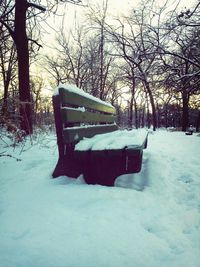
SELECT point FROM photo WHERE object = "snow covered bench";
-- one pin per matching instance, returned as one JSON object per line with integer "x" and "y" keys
{"x": 89, "y": 141}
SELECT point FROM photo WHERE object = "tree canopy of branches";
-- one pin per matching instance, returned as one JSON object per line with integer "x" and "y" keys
{"x": 146, "y": 63}
{"x": 18, "y": 19}
{"x": 181, "y": 56}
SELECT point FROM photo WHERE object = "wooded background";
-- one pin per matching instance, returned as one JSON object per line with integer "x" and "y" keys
{"x": 145, "y": 63}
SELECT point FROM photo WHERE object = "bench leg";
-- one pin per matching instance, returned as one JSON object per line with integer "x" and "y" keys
{"x": 104, "y": 179}
{"x": 100, "y": 171}
{"x": 66, "y": 166}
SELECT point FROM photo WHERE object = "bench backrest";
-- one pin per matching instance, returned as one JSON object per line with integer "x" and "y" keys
{"x": 79, "y": 114}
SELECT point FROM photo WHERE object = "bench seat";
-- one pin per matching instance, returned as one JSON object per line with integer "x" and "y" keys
{"x": 105, "y": 157}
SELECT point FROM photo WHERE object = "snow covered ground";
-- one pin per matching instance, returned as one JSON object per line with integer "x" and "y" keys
{"x": 150, "y": 219}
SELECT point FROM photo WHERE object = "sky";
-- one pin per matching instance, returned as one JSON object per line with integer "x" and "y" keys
{"x": 119, "y": 7}
{"x": 73, "y": 13}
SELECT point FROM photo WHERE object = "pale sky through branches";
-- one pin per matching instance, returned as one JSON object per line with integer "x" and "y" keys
{"x": 75, "y": 14}
{"x": 121, "y": 7}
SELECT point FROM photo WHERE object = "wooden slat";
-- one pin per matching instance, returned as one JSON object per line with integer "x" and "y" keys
{"x": 73, "y": 98}
{"x": 71, "y": 135}
{"x": 100, "y": 154}
{"x": 72, "y": 115}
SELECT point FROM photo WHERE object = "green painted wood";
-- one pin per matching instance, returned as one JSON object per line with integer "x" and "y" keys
{"x": 73, "y": 98}
{"x": 70, "y": 116}
{"x": 71, "y": 135}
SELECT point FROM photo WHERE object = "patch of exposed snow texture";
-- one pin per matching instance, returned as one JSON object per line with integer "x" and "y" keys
{"x": 89, "y": 126}
{"x": 82, "y": 109}
{"x": 149, "y": 219}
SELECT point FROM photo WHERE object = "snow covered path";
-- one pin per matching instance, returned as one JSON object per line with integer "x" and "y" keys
{"x": 150, "y": 219}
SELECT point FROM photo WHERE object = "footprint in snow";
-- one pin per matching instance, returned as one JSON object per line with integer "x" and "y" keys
{"x": 186, "y": 178}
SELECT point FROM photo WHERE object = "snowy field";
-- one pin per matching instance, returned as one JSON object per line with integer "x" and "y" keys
{"x": 150, "y": 219}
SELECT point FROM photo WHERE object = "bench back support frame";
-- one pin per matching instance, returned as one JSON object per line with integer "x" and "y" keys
{"x": 58, "y": 125}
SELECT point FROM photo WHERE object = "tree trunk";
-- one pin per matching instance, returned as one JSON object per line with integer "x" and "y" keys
{"x": 101, "y": 62}
{"x": 154, "y": 118}
{"x": 148, "y": 113}
{"x": 5, "y": 97}
{"x": 21, "y": 42}
{"x": 130, "y": 114}
{"x": 5, "y": 83}
{"x": 132, "y": 101}
{"x": 185, "y": 111}
{"x": 159, "y": 119}
{"x": 136, "y": 114}
{"x": 198, "y": 122}
{"x": 142, "y": 123}
{"x": 130, "y": 118}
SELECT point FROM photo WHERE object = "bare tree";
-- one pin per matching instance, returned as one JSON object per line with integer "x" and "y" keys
{"x": 83, "y": 58}
{"x": 14, "y": 16}
{"x": 71, "y": 55}
{"x": 182, "y": 57}
{"x": 133, "y": 45}
{"x": 97, "y": 16}
{"x": 7, "y": 67}
{"x": 58, "y": 72}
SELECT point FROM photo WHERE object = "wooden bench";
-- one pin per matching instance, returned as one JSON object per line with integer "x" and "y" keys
{"x": 79, "y": 115}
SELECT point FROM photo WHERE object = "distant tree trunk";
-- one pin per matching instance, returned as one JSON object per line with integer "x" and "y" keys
{"x": 6, "y": 81}
{"x": 148, "y": 113}
{"x": 130, "y": 114}
{"x": 130, "y": 118}
{"x": 151, "y": 99}
{"x": 101, "y": 61}
{"x": 136, "y": 114}
{"x": 102, "y": 52}
{"x": 21, "y": 42}
{"x": 142, "y": 123}
{"x": 198, "y": 122}
{"x": 166, "y": 119}
{"x": 5, "y": 96}
{"x": 185, "y": 111}
{"x": 159, "y": 119}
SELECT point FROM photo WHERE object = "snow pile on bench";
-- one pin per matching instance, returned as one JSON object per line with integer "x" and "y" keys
{"x": 113, "y": 140}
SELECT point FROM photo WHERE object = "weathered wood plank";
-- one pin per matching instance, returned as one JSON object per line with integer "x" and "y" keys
{"x": 71, "y": 135}
{"x": 73, "y": 98}
{"x": 72, "y": 115}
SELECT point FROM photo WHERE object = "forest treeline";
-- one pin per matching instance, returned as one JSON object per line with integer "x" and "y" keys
{"x": 146, "y": 63}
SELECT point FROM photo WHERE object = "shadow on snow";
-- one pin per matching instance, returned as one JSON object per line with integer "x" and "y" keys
{"x": 138, "y": 181}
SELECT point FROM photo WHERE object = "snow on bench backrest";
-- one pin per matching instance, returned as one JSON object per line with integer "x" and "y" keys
{"x": 83, "y": 115}
{"x": 73, "y": 95}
